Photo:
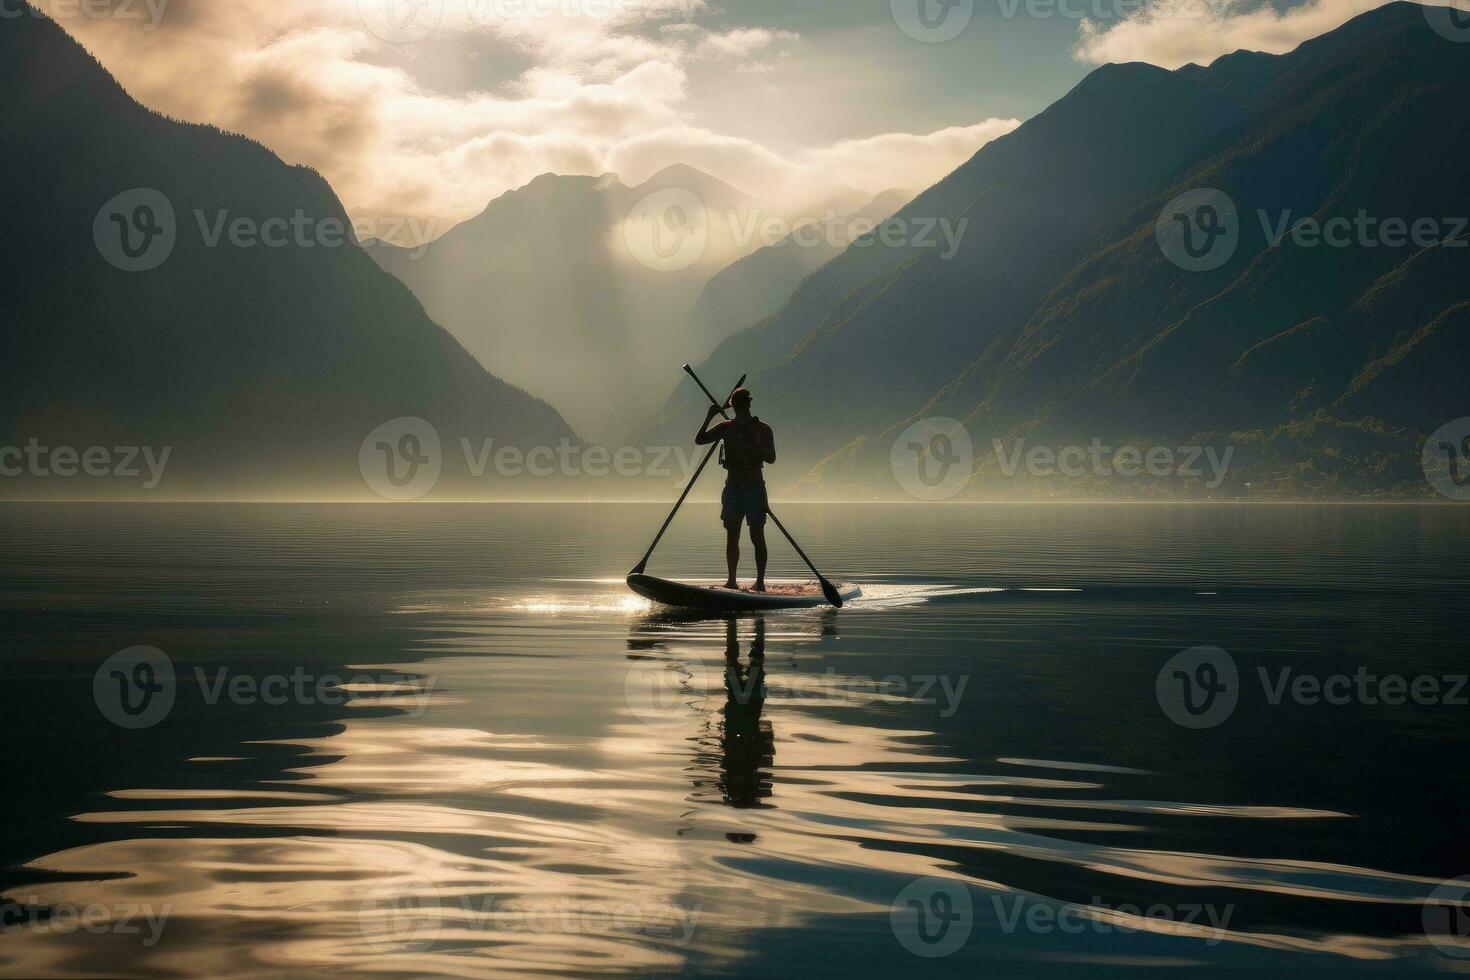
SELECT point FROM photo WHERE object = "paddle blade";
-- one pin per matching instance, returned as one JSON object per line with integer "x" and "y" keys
{"x": 639, "y": 568}
{"x": 830, "y": 591}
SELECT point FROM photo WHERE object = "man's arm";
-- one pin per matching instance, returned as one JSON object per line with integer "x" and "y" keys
{"x": 706, "y": 435}
{"x": 768, "y": 443}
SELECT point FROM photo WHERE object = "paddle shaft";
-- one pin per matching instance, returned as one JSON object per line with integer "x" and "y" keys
{"x": 828, "y": 589}
{"x": 826, "y": 585}
{"x": 642, "y": 565}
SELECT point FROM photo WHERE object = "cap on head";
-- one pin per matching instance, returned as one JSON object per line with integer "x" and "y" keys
{"x": 741, "y": 397}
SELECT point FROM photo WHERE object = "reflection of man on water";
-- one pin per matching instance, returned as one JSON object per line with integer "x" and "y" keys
{"x": 747, "y": 744}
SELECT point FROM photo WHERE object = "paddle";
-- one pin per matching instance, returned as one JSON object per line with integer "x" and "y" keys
{"x": 638, "y": 568}
{"x": 828, "y": 589}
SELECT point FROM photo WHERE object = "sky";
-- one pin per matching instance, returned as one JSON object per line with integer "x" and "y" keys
{"x": 432, "y": 108}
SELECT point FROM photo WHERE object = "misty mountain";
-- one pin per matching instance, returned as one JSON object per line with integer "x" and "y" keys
{"x": 1067, "y": 316}
{"x": 888, "y": 321}
{"x": 171, "y": 285}
{"x": 752, "y": 288}
{"x": 580, "y": 288}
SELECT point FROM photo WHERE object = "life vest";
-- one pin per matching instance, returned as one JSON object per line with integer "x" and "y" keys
{"x": 740, "y": 449}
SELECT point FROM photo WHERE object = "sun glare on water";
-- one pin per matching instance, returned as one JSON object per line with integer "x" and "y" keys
{"x": 557, "y": 605}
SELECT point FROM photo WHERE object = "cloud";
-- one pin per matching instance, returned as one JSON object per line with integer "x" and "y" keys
{"x": 584, "y": 87}
{"x": 740, "y": 43}
{"x": 873, "y": 164}
{"x": 903, "y": 159}
{"x": 1172, "y": 33}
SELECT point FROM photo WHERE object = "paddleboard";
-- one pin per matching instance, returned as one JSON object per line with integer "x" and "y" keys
{"x": 714, "y": 595}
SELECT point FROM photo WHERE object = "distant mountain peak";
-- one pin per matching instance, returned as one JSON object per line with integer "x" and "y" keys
{"x": 712, "y": 189}
{"x": 549, "y": 181}
{"x": 676, "y": 172}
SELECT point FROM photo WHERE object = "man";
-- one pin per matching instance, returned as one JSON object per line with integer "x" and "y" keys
{"x": 749, "y": 444}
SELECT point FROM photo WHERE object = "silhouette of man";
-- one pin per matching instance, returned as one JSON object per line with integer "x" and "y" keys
{"x": 748, "y": 445}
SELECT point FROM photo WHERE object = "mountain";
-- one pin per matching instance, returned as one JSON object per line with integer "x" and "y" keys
{"x": 1063, "y": 319}
{"x": 171, "y": 285}
{"x": 752, "y": 288}
{"x": 874, "y": 332}
{"x": 580, "y": 288}
{"x": 1324, "y": 367}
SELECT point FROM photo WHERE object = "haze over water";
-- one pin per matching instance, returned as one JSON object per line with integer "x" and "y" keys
{"x": 446, "y": 741}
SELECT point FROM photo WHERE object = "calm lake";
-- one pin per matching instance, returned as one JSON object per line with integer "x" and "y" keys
{"x": 445, "y": 740}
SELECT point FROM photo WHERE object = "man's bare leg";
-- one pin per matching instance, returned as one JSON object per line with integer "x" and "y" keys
{"x": 732, "y": 554}
{"x": 758, "y": 539}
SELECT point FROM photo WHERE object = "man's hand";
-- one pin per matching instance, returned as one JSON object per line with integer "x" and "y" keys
{"x": 705, "y": 436}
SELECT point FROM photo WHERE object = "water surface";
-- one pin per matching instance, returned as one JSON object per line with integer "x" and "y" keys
{"x": 445, "y": 740}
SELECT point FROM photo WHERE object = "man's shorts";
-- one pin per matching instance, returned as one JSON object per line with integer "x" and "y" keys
{"x": 743, "y": 502}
